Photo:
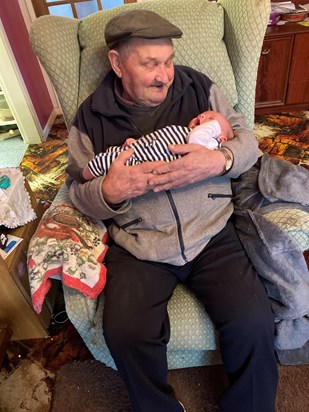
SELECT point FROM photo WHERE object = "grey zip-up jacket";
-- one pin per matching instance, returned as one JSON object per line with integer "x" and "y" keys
{"x": 171, "y": 226}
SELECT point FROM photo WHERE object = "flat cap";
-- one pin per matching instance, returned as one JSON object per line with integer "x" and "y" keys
{"x": 139, "y": 23}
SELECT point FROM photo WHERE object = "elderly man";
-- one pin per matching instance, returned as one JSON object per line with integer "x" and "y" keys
{"x": 170, "y": 222}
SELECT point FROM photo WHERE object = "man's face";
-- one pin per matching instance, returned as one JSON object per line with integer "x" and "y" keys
{"x": 148, "y": 72}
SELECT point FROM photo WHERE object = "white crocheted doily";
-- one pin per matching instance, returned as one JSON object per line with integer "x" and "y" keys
{"x": 15, "y": 204}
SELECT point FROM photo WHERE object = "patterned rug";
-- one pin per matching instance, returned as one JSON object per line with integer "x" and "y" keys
{"x": 284, "y": 135}
{"x": 44, "y": 164}
{"x": 92, "y": 386}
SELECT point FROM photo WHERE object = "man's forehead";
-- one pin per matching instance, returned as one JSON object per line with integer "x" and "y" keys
{"x": 154, "y": 49}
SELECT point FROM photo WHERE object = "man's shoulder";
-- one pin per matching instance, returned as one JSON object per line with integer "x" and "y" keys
{"x": 107, "y": 83}
{"x": 190, "y": 73}
{"x": 83, "y": 109}
{"x": 94, "y": 101}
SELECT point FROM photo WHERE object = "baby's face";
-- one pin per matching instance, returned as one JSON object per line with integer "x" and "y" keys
{"x": 202, "y": 118}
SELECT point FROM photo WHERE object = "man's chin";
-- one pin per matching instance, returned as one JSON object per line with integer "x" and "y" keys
{"x": 156, "y": 101}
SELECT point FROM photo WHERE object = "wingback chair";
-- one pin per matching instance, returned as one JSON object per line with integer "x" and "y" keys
{"x": 222, "y": 39}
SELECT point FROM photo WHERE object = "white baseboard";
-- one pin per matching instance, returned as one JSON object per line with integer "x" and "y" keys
{"x": 56, "y": 112}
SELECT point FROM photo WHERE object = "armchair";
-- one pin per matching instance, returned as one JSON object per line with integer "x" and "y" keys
{"x": 222, "y": 39}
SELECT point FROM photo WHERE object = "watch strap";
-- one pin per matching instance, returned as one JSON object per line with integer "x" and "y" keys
{"x": 229, "y": 160}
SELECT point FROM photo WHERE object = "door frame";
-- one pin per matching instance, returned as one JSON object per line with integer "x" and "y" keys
{"x": 16, "y": 93}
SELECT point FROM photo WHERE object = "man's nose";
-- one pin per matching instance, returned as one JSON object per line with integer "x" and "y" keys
{"x": 162, "y": 74}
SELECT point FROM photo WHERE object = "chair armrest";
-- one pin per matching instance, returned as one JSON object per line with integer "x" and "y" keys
{"x": 244, "y": 35}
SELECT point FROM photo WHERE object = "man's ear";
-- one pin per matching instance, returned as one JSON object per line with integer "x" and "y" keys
{"x": 114, "y": 59}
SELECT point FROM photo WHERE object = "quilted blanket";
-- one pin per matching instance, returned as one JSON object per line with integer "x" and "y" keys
{"x": 69, "y": 246}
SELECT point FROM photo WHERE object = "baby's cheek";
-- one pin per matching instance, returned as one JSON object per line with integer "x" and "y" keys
{"x": 193, "y": 123}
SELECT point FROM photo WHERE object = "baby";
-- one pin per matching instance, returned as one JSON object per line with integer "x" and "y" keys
{"x": 209, "y": 129}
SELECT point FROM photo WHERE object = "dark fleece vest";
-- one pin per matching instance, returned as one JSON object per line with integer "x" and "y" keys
{"x": 107, "y": 123}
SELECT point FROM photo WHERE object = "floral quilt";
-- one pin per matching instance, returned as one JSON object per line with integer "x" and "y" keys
{"x": 69, "y": 246}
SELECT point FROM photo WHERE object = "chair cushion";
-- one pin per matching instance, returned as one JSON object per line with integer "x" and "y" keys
{"x": 193, "y": 337}
{"x": 295, "y": 222}
{"x": 201, "y": 47}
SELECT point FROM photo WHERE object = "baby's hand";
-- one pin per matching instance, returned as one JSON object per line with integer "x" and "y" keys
{"x": 129, "y": 141}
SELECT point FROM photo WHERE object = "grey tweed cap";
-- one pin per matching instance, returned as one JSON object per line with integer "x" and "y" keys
{"x": 139, "y": 23}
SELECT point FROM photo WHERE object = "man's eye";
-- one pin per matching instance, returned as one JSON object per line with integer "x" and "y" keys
{"x": 149, "y": 65}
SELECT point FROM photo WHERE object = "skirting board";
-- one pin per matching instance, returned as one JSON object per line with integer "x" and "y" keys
{"x": 56, "y": 112}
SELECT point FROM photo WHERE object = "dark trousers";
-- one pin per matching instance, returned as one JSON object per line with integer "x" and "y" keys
{"x": 136, "y": 324}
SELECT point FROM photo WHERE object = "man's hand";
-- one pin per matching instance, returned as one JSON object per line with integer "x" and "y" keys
{"x": 197, "y": 163}
{"x": 126, "y": 182}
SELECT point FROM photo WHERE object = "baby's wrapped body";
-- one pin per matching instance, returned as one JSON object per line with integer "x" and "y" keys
{"x": 148, "y": 148}
{"x": 154, "y": 146}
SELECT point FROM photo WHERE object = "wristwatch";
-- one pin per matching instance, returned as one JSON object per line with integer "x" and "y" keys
{"x": 228, "y": 160}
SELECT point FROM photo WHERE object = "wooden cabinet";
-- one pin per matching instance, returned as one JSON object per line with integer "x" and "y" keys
{"x": 283, "y": 74}
{"x": 298, "y": 90}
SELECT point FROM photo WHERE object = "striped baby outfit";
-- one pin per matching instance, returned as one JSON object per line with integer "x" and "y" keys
{"x": 154, "y": 146}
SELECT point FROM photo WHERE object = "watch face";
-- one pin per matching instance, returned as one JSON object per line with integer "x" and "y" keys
{"x": 228, "y": 163}
{"x": 228, "y": 159}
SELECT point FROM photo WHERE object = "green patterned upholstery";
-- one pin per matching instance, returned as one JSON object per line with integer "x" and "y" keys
{"x": 223, "y": 40}
{"x": 184, "y": 350}
{"x": 295, "y": 222}
{"x": 245, "y": 25}
{"x": 55, "y": 42}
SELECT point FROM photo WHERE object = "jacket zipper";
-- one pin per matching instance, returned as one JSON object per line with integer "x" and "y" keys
{"x": 133, "y": 222}
{"x": 214, "y": 196}
{"x": 180, "y": 237}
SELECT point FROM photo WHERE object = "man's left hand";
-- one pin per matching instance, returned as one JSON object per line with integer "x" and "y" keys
{"x": 197, "y": 163}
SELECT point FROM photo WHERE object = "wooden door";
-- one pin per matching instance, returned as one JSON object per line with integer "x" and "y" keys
{"x": 298, "y": 90}
{"x": 273, "y": 71}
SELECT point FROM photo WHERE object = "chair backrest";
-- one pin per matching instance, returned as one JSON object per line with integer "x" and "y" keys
{"x": 222, "y": 39}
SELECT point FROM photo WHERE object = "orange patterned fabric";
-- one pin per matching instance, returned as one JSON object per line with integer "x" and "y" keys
{"x": 71, "y": 247}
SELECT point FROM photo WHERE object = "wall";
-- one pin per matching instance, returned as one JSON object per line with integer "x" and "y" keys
{"x": 17, "y": 34}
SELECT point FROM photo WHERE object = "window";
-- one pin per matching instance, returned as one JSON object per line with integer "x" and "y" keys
{"x": 74, "y": 8}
